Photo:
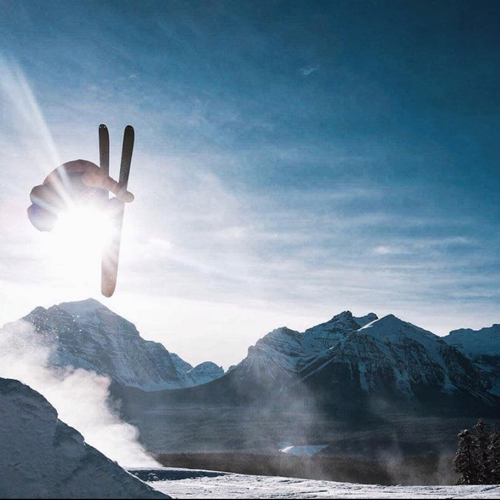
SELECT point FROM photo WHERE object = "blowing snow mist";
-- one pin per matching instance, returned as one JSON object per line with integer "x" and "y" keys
{"x": 80, "y": 397}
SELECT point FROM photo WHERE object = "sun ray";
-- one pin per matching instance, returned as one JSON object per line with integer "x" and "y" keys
{"x": 27, "y": 116}
{"x": 30, "y": 124}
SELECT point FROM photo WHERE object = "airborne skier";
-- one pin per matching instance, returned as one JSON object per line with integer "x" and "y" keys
{"x": 81, "y": 183}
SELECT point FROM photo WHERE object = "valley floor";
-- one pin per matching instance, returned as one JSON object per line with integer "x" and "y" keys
{"x": 184, "y": 483}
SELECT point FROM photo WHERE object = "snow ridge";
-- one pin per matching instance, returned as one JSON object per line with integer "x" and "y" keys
{"x": 44, "y": 458}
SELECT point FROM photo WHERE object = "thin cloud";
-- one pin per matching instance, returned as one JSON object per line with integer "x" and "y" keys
{"x": 390, "y": 250}
{"x": 309, "y": 70}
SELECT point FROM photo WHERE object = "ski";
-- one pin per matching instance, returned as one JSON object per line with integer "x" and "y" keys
{"x": 128, "y": 148}
{"x": 104, "y": 153}
{"x": 111, "y": 254}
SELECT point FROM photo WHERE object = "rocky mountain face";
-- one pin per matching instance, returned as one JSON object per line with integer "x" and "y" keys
{"x": 392, "y": 363}
{"x": 281, "y": 355}
{"x": 483, "y": 348}
{"x": 42, "y": 457}
{"x": 88, "y": 335}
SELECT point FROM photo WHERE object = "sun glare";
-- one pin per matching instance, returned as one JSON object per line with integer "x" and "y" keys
{"x": 77, "y": 242}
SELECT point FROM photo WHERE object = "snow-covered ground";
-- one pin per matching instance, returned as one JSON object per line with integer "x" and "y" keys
{"x": 183, "y": 483}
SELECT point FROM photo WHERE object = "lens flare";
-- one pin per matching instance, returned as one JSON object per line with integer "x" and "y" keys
{"x": 77, "y": 242}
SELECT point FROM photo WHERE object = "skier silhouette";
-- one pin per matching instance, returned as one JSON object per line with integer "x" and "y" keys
{"x": 78, "y": 183}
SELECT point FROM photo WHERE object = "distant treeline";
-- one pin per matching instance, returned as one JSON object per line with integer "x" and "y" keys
{"x": 421, "y": 470}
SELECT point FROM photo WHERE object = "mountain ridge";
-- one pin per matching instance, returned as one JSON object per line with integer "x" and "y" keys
{"x": 347, "y": 361}
{"x": 387, "y": 365}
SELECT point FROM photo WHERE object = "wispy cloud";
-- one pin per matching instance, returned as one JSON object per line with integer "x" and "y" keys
{"x": 309, "y": 70}
{"x": 390, "y": 250}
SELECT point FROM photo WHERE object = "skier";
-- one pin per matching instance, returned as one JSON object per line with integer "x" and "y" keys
{"x": 81, "y": 183}
{"x": 76, "y": 183}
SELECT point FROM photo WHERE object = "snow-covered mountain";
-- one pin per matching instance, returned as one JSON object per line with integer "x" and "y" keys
{"x": 390, "y": 362}
{"x": 41, "y": 457}
{"x": 352, "y": 364}
{"x": 88, "y": 335}
{"x": 482, "y": 347}
{"x": 284, "y": 353}
{"x": 360, "y": 362}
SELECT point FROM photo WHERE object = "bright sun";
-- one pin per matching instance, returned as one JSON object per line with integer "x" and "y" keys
{"x": 77, "y": 242}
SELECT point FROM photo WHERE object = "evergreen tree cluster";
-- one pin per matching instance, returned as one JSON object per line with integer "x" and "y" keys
{"x": 478, "y": 456}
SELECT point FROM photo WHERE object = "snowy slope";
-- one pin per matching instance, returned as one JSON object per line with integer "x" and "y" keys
{"x": 41, "y": 457}
{"x": 482, "y": 347}
{"x": 88, "y": 335}
{"x": 390, "y": 361}
{"x": 183, "y": 483}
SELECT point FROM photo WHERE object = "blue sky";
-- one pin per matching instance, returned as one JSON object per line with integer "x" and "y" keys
{"x": 294, "y": 159}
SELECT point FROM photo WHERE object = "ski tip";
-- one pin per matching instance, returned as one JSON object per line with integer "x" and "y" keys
{"x": 102, "y": 126}
{"x": 108, "y": 290}
{"x": 129, "y": 128}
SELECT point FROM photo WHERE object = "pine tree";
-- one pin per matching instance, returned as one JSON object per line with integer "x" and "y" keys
{"x": 494, "y": 457}
{"x": 482, "y": 452}
{"x": 466, "y": 463}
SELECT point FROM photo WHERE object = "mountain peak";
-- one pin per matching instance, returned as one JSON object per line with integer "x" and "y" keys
{"x": 392, "y": 328}
{"x": 343, "y": 316}
{"x": 206, "y": 372}
{"x": 87, "y": 306}
{"x": 347, "y": 316}
{"x": 390, "y": 322}
{"x": 365, "y": 320}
